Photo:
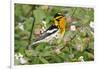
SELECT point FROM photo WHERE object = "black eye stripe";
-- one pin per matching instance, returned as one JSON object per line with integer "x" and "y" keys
{"x": 58, "y": 19}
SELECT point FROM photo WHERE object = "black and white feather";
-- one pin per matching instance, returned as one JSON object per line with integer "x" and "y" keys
{"x": 47, "y": 35}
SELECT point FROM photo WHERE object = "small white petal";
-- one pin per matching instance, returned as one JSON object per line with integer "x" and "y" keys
{"x": 44, "y": 23}
{"x": 92, "y": 25}
{"x": 22, "y": 60}
{"x": 16, "y": 56}
{"x": 72, "y": 27}
{"x": 21, "y": 26}
{"x": 57, "y": 51}
{"x": 81, "y": 58}
{"x": 43, "y": 29}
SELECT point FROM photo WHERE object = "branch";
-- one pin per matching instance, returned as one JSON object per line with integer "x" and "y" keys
{"x": 29, "y": 47}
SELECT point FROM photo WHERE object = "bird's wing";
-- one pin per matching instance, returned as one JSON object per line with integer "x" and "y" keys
{"x": 51, "y": 30}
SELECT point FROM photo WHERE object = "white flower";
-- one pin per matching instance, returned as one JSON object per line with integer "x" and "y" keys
{"x": 21, "y": 26}
{"x": 44, "y": 26}
{"x": 57, "y": 50}
{"x": 16, "y": 56}
{"x": 72, "y": 27}
{"x": 44, "y": 23}
{"x": 81, "y": 58}
{"x": 43, "y": 29}
{"x": 92, "y": 24}
{"x": 22, "y": 60}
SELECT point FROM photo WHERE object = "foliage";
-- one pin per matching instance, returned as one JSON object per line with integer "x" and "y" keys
{"x": 76, "y": 43}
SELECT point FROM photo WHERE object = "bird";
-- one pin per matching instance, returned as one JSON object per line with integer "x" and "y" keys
{"x": 56, "y": 30}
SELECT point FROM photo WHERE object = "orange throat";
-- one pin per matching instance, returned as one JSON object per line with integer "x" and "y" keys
{"x": 62, "y": 26}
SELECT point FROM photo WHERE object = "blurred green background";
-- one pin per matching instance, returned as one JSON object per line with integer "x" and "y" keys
{"x": 78, "y": 42}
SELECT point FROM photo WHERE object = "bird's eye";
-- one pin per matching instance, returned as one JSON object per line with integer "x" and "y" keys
{"x": 58, "y": 20}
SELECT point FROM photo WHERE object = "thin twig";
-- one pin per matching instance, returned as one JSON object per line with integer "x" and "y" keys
{"x": 29, "y": 47}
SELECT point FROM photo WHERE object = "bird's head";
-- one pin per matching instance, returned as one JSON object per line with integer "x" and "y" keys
{"x": 58, "y": 18}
